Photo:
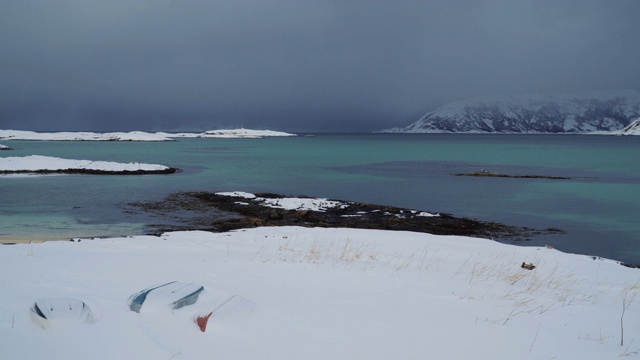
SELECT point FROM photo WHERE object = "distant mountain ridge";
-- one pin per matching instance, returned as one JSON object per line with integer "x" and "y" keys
{"x": 604, "y": 111}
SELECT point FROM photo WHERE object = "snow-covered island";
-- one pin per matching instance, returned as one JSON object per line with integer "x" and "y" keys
{"x": 230, "y": 134}
{"x": 4, "y": 147}
{"x": 81, "y": 136}
{"x": 36, "y": 164}
{"x": 313, "y": 293}
{"x": 134, "y": 135}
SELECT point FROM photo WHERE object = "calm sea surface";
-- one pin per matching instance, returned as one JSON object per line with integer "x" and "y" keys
{"x": 599, "y": 208}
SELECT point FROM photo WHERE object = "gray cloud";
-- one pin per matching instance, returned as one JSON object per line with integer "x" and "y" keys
{"x": 304, "y": 65}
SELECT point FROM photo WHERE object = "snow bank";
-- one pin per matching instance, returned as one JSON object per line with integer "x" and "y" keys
{"x": 37, "y": 163}
{"x": 323, "y": 294}
{"x": 135, "y": 135}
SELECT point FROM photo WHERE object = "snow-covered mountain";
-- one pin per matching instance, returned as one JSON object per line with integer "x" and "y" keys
{"x": 535, "y": 113}
{"x": 632, "y": 129}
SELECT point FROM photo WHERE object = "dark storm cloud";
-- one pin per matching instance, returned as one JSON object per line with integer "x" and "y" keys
{"x": 340, "y": 65}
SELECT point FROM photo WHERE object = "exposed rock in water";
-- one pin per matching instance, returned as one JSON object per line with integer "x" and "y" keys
{"x": 493, "y": 174}
{"x": 215, "y": 212}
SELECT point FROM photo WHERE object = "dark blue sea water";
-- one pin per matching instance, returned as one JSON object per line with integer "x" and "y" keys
{"x": 599, "y": 208}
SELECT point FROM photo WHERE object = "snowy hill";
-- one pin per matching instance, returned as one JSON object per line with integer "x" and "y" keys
{"x": 537, "y": 113}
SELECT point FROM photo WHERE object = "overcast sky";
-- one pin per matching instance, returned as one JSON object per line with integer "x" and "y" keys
{"x": 297, "y": 65}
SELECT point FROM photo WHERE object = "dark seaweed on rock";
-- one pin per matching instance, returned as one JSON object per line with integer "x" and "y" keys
{"x": 213, "y": 212}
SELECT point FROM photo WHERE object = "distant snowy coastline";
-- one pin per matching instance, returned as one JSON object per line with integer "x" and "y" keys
{"x": 135, "y": 135}
{"x": 36, "y": 164}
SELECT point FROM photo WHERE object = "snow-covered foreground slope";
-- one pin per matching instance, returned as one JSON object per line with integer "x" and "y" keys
{"x": 37, "y": 163}
{"x": 135, "y": 135}
{"x": 605, "y": 111}
{"x": 321, "y": 294}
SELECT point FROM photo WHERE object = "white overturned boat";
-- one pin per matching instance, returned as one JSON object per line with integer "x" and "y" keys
{"x": 51, "y": 313}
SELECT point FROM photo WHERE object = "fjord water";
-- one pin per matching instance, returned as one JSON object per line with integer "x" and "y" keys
{"x": 598, "y": 208}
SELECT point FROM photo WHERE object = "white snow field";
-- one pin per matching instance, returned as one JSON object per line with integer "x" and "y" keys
{"x": 320, "y": 293}
{"x": 48, "y": 163}
{"x": 134, "y": 135}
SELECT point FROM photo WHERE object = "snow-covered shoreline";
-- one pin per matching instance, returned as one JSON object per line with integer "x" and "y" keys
{"x": 46, "y": 164}
{"x": 134, "y": 135}
{"x": 319, "y": 293}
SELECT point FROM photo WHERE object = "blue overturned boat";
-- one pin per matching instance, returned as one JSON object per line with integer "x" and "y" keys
{"x": 175, "y": 294}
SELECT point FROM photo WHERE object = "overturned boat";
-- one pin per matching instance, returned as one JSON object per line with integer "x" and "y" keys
{"x": 50, "y": 313}
{"x": 175, "y": 294}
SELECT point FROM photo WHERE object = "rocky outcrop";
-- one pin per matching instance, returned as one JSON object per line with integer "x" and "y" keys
{"x": 214, "y": 212}
{"x": 499, "y": 175}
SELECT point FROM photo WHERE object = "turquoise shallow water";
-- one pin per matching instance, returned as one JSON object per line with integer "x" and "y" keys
{"x": 599, "y": 208}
